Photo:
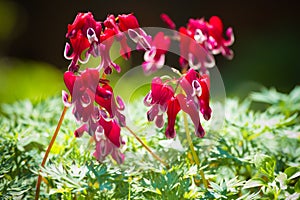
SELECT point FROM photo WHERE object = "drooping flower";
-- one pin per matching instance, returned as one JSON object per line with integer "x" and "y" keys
{"x": 105, "y": 118}
{"x": 107, "y": 135}
{"x": 216, "y": 42}
{"x": 203, "y": 40}
{"x": 82, "y": 88}
{"x": 79, "y": 43}
{"x": 78, "y": 33}
{"x": 196, "y": 98}
{"x": 125, "y": 22}
{"x": 161, "y": 99}
{"x": 192, "y": 53}
{"x": 140, "y": 37}
{"x": 155, "y": 56}
{"x": 107, "y": 39}
{"x": 83, "y": 22}
{"x": 106, "y": 146}
{"x": 158, "y": 99}
{"x": 210, "y": 35}
{"x": 172, "y": 111}
{"x": 113, "y": 107}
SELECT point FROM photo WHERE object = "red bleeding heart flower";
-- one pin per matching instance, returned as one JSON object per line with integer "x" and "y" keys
{"x": 192, "y": 53}
{"x": 158, "y": 99}
{"x": 200, "y": 39}
{"x": 172, "y": 111}
{"x": 95, "y": 105}
{"x": 217, "y": 43}
{"x": 155, "y": 56}
{"x": 79, "y": 33}
{"x": 125, "y": 22}
{"x": 85, "y": 91}
{"x": 196, "y": 98}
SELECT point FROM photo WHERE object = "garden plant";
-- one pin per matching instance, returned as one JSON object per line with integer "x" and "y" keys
{"x": 183, "y": 139}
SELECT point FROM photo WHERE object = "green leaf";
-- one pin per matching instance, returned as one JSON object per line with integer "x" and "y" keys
{"x": 216, "y": 187}
{"x": 266, "y": 96}
{"x": 292, "y": 172}
{"x": 265, "y": 164}
{"x": 252, "y": 183}
{"x": 297, "y": 186}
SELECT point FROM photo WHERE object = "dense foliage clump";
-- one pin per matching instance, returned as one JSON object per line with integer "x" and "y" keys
{"x": 255, "y": 155}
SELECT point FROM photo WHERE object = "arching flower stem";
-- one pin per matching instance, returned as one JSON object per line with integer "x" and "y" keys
{"x": 38, "y": 184}
{"x": 194, "y": 154}
{"x": 147, "y": 148}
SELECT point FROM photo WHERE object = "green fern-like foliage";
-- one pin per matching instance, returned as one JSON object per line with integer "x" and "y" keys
{"x": 255, "y": 155}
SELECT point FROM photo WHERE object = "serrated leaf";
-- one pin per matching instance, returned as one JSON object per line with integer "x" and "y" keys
{"x": 266, "y": 96}
{"x": 249, "y": 196}
{"x": 216, "y": 187}
{"x": 265, "y": 164}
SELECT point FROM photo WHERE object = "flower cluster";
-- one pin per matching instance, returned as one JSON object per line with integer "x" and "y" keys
{"x": 94, "y": 103}
{"x": 193, "y": 98}
{"x": 91, "y": 37}
{"x": 97, "y": 111}
{"x": 198, "y": 42}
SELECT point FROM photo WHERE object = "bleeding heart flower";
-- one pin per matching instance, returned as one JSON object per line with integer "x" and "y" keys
{"x": 155, "y": 56}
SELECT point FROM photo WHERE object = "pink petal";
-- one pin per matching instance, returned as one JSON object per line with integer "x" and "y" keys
{"x": 168, "y": 21}
{"x": 159, "y": 121}
{"x": 79, "y": 132}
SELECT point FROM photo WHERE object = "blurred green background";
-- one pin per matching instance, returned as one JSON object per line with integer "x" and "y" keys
{"x": 32, "y": 39}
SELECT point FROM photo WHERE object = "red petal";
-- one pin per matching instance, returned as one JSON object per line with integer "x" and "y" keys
{"x": 103, "y": 93}
{"x": 107, "y": 36}
{"x": 127, "y": 22}
{"x": 105, "y": 102}
{"x": 110, "y": 22}
{"x": 69, "y": 79}
{"x": 217, "y": 24}
{"x": 204, "y": 99}
{"x": 216, "y": 29}
{"x": 173, "y": 109}
{"x": 111, "y": 131}
{"x": 79, "y": 43}
{"x": 168, "y": 21}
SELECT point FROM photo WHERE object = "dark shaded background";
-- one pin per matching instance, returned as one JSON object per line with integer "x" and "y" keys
{"x": 266, "y": 47}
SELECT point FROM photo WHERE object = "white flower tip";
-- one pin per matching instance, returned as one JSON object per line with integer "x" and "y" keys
{"x": 65, "y": 98}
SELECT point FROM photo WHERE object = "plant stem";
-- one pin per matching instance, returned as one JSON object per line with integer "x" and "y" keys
{"x": 147, "y": 148}
{"x": 194, "y": 154}
{"x": 38, "y": 184}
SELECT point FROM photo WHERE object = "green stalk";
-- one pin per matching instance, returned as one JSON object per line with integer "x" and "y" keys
{"x": 147, "y": 148}
{"x": 194, "y": 154}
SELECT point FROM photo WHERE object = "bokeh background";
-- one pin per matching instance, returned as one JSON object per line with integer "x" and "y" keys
{"x": 32, "y": 39}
